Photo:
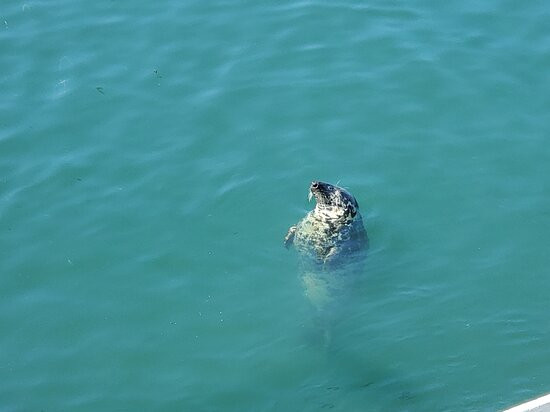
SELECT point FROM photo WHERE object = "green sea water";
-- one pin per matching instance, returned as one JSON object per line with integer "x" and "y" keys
{"x": 154, "y": 154}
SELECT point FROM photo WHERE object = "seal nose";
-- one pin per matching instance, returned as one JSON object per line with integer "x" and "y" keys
{"x": 314, "y": 184}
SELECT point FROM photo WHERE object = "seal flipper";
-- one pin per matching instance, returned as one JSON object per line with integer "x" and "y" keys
{"x": 330, "y": 254}
{"x": 289, "y": 238}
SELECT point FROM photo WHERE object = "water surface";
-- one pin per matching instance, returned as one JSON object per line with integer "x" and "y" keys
{"x": 153, "y": 155}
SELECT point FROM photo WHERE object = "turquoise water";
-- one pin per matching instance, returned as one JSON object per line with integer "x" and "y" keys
{"x": 154, "y": 154}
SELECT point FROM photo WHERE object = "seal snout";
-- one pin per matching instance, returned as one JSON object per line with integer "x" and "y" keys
{"x": 312, "y": 188}
{"x": 321, "y": 191}
{"x": 320, "y": 187}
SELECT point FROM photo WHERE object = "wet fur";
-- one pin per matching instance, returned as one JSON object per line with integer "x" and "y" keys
{"x": 333, "y": 232}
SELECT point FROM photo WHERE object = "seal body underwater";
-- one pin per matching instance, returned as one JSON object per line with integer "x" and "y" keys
{"x": 331, "y": 241}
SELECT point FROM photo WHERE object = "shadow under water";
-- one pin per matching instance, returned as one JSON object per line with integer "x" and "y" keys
{"x": 350, "y": 373}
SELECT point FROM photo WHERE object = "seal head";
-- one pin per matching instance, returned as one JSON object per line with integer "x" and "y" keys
{"x": 333, "y": 202}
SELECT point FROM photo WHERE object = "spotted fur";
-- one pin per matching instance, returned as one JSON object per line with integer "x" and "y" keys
{"x": 332, "y": 232}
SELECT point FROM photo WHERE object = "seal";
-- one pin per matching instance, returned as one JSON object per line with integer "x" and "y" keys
{"x": 331, "y": 241}
{"x": 333, "y": 230}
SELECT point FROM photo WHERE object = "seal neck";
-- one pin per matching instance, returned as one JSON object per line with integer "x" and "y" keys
{"x": 332, "y": 213}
